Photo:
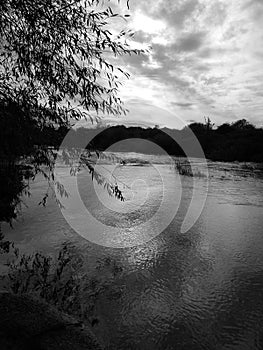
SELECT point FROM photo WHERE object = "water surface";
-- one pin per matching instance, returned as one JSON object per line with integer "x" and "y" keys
{"x": 199, "y": 290}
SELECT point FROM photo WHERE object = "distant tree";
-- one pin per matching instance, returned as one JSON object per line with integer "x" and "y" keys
{"x": 208, "y": 123}
{"x": 224, "y": 128}
{"x": 197, "y": 128}
{"x": 242, "y": 124}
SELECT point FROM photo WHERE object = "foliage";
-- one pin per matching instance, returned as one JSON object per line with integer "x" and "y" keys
{"x": 239, "y": 141}
{"x": 78, "y": 158}
{"x": 11, "y": 189}
{"x": 57, "y": 53}
{"x": 56, "y": 60}
{"x": 183, "y": 167}
{"x": 7, "y": 246}
{"x": 63, "y": 282}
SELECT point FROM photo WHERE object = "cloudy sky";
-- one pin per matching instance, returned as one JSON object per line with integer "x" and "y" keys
{"x": 206, "y": 60}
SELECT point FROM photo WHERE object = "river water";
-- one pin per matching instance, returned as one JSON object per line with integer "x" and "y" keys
{"x": 201, "y": 289}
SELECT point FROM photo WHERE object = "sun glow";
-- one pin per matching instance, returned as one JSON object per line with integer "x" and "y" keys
{"x": 147, "y": 24}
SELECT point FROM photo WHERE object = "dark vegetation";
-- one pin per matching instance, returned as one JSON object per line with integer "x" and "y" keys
{"x": 55, "y": 68}
{"x": 238, "y": 141}
{"x": 65, "y": 281}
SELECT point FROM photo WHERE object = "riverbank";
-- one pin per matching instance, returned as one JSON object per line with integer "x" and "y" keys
{"x": 27, "y": 323}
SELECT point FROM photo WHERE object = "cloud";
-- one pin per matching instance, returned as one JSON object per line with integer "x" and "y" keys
{"x": 252, "y": 3}
{"x": 142, "y": 37}
{"x": 184, "y": 105}
{"x": 145, "y": 113}
{"x": 176, "y": 12}
{"x": 245, "y": 100}
{"x": 220, "y": 51}
{"x": 214, "y": 80}
{"x": 190, "y": 41}
{"x": 144, "y": 23}
{"x": 206, "y": 58}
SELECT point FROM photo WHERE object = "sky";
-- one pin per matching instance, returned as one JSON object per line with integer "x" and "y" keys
{"x": 206, "y": 60}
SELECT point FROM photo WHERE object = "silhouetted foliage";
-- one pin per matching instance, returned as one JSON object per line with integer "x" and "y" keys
{"x": 65, "y": 281}
{"x": 56, "y": 54}
{"x": 56, "y": 67}
{"x": 239, "y": 141}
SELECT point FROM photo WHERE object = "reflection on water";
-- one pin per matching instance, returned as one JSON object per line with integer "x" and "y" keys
{"x": 198, "y": 290}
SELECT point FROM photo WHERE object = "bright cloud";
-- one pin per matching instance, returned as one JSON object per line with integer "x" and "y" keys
{"x": 206, "y": 59}
{"x": 147, "y": 24}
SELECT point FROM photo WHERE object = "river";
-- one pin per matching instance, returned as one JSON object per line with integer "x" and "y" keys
{"x": 199, "y": 289}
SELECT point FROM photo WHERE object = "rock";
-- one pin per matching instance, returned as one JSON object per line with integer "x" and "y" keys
{"x": 29, "y": 324}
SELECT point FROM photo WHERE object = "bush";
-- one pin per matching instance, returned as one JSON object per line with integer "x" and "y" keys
{"x": 63, "y": 281}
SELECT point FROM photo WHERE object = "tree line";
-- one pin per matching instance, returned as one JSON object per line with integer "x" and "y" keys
{"x": 237, "y": 141}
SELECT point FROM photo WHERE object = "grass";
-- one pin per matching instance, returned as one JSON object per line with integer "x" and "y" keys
{"x": 64, "y": 281}
{"x": 183, "y": 167}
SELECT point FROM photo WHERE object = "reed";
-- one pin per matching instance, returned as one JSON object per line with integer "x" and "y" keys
{"x": 183, "y": 167}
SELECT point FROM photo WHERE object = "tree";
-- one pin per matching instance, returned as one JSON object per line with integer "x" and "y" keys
{"x": 224, "y": 129}
{"x": 242, "y": 124}
{"x": 197, "y": 128}
{"x": 57, "y": 55}
{"x": 56, "y": 66}
{"x": 209, "y": 125}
